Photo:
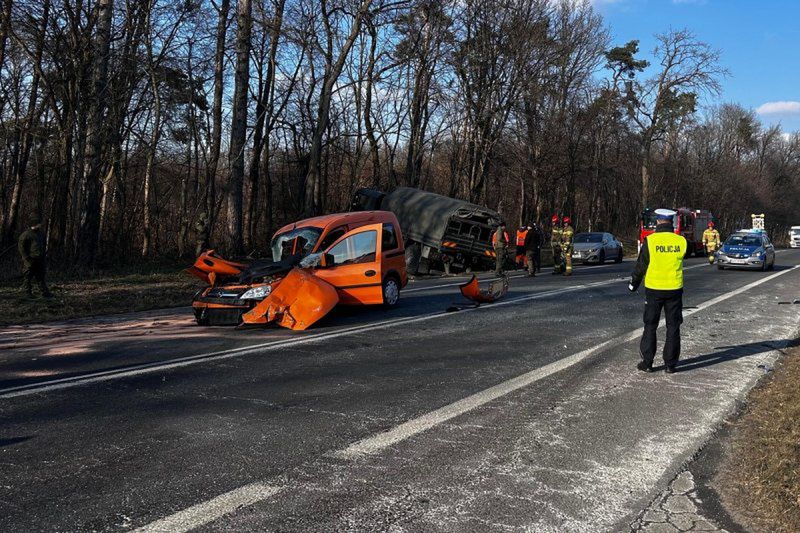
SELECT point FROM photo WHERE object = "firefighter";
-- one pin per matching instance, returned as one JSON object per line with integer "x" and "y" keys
{"x": 33, "y": 252}
{"x": 711, "y": 241}
{"x": 519, "y": 258}
{"x": 500, "y": 244}
{"x": 555, "y": 243}
{"x": 567, "y": 235}
{"x": 660, "y": 266}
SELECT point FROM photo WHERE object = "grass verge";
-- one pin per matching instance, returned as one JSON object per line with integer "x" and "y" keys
{"x": 759, "y": 479}
{"x": 134, "y": 288}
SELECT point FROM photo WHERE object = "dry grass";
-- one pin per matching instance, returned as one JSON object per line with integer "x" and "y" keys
{"x": 760, "y": 478}
{"x": 137, "y": 289}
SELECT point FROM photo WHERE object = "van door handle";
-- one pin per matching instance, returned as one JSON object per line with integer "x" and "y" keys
{"x": 370, "y": 273}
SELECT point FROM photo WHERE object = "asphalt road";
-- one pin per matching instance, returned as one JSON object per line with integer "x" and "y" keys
{"x": 526, "y": 414}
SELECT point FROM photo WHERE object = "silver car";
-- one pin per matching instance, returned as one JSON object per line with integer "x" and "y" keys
{"x": 596, "y": 247}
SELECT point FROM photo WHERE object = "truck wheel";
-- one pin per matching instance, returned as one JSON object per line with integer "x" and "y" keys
{"x": 413, "y": 255}
{"x": 391, "y": 292}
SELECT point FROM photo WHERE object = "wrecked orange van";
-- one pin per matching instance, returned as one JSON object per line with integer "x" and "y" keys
{"x": 316, "y": 264}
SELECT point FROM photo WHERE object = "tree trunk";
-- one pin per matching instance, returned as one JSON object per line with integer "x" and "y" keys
{"x": 88, "y": 231}
{"x": 333, "y": 69}
{"x": 239, "y": 127}
{"x": 216, "y": 113}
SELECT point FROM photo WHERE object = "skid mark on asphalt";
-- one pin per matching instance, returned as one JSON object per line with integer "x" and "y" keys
{"x": 381, "y": 441}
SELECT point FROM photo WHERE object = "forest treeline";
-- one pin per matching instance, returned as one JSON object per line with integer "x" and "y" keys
{"x": 124, "y": 120}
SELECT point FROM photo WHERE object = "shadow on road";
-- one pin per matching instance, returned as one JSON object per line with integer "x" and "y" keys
{"x": 728, "y": 353}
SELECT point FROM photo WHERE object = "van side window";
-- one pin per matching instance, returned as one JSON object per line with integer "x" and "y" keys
{"x": 389, "y": 238}
{"x": 332, "y": 236}
{"x": 358, "y": 248}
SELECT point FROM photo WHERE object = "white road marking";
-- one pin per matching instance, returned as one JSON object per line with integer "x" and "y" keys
{"x": 146, "y": 368}
{"x": 208, "y": 511}
{"x": 229, "y": 502}
{"x": 413, "y": 427}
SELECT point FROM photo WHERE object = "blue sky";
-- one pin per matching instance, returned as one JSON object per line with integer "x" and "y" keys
{"x": 759, "y": 41}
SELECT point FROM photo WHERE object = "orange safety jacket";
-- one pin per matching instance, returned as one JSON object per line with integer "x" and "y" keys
{"x": 521, "y": 237}
{"x": 494, "y": 238}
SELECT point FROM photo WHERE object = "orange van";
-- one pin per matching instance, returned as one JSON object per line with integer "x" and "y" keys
{"x": 317, "y": 263}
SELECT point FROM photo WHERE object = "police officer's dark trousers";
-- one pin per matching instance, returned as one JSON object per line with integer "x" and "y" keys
{"x": 672, "y": 304}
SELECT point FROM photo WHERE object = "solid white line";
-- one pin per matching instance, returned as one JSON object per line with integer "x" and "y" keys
{"x": 226, "y": 503}
{"x": 381, "y": 441}
{"x": 208, "y": 511}
{"x": 146, "y": 368}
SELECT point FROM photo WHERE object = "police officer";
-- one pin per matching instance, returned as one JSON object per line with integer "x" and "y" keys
{"x": 660, "y": 265}
{"x": 500, "y": 244}
{"x": 202, "y": 234}
{"x": 533, "y": 249}
{"x": 33, "y": 253}
{"x": 555, "y": 243}
{"x": 567, "y": 236}
{"x": 711, "y": 241}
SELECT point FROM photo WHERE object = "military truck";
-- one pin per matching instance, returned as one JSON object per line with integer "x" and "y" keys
{"x": 440, "y": 232}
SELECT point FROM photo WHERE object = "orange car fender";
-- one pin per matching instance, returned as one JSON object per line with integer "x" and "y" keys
{"x": 300, "y": 300}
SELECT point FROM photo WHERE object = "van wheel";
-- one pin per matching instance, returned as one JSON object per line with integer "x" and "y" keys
{"x": 413, "y": 256}
{"x": 391, "y": 291}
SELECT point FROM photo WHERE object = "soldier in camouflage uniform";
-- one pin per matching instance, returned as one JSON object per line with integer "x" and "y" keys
{"x": 32, "y": 251}
{"x": 567, "y": 235}
{"x": 555, "y": 243}
{"x": 202, "y": 234}
{"x": 500, "y": 245}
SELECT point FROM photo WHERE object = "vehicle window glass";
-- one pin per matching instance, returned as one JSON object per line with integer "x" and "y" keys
{"x": 389, "y": 238}
{"x": 300, "y": 241}
{"x": 358, "y": 248}
{"x": 743, "y": 240}
{"x": 588, "y": 237}
{"x": 332, "y": 236}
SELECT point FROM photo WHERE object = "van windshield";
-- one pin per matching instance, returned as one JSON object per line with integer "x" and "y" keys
{"x": 297, "y": 241}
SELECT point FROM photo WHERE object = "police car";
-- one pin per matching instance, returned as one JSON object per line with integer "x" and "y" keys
{"x": 748, "y": 249}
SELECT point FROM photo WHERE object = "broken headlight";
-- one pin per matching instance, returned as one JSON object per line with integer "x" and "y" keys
{"x": 257, "y": 293}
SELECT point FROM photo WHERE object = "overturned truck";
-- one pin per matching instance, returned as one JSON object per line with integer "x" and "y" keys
{"x": 440, "y": 232}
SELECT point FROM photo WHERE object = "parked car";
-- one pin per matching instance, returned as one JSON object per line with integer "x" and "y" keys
{"x": 749, "y": 249}
{"x": 317, "y": 263}
{"x": 596, "y": 247}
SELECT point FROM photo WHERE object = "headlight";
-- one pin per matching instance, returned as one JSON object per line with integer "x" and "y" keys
{"x": 720, "y": 252}
{"x": 757, "y": 253}
{"x": 594, "y": 250}
{"x": 257, "y": 293}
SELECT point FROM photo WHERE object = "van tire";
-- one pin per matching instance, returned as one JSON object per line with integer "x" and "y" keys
{"x": 391, "y": 291}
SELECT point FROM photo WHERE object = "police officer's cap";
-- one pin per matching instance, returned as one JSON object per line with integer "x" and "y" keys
{"x": 665, "y": 214}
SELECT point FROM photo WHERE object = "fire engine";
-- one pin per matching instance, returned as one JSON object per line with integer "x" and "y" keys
{"x": 691, "y": 223}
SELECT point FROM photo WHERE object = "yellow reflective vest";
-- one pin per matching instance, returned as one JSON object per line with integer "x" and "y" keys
{"x": 665, "y": 269}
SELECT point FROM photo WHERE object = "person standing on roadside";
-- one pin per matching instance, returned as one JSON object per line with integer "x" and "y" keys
{"x": 660, "y": 266}
{"x": 33, "y": 252}
{"x": 555, "y": 243}
{"x": 533, "y": 249}
{"x": 500, "y": 244}
{"x": 567, "y": 245}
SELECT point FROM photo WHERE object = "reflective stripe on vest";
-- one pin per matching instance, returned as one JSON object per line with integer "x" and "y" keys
{"x": 665, "y": 271}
